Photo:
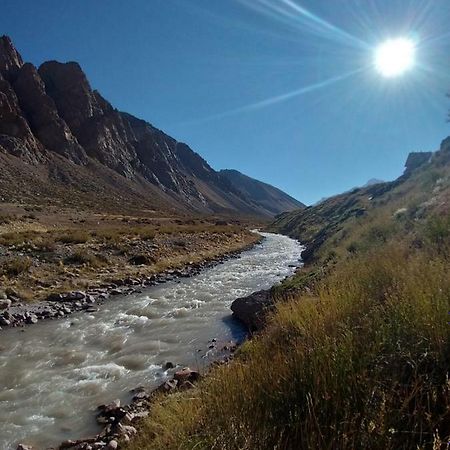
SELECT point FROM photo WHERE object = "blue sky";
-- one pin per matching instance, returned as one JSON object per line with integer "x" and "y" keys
{"x": 219, "y": 74}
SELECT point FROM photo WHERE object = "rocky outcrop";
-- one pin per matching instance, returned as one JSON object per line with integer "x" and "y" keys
{"x": 416, "y": 160}
{"x": 10, "y": 59}
{"x": 42, "y": 115}
{"x": 16, "y": 137}
{"x": 252, "y": 310}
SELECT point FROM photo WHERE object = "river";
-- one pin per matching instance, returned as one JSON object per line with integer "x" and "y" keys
{"x": 54, "y": 374}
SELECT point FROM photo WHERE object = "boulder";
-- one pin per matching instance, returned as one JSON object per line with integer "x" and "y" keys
{"x": 112, "y": 445}
{"x": 252, "y": 310}
{"x": 5, "y": 304}
{"x": 186, "y": 374}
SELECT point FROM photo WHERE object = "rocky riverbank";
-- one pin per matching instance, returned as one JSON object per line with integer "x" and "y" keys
{"x": 17, "y": 314}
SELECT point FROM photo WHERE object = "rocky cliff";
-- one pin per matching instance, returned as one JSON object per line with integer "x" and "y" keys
{"x": 68, "y": 142}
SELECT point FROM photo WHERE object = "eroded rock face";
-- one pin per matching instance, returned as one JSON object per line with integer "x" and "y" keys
{"x": 42, "y": 115}
{"x": 415, "y": 160}
{"x": 16, "y": 136}
{"x": 99, "y": 128}
{"x": 10, "y": 59}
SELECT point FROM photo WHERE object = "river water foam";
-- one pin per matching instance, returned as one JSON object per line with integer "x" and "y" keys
{"x": 54, "y": 374}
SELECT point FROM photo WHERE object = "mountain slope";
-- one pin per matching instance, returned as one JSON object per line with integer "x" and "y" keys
{"x": 422, "y": 190}
{"x": 52, "y": 123}
{"x": 267, "y": 197}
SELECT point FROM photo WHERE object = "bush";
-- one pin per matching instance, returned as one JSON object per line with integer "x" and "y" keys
{"x": 74, "y": 237}
{"x": 141, "y": 260}
{"x": 16, "y": 266}
{"x": 81, "y": 257}
{"x": 437, "y": 230}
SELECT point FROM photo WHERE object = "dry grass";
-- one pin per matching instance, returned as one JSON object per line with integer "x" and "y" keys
{"x": 361, "y": 362}
{"x": 79, "y": 251}
{"x": 15, "y": 266}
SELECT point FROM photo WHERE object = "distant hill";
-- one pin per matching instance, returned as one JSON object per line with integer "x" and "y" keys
{"x": 373, "y": 181}
{"x": 61, "y": 141}
{"x": 268, "y": 198}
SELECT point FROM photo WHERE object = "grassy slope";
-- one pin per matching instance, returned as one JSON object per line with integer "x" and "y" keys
{"x": 358, "y": 351}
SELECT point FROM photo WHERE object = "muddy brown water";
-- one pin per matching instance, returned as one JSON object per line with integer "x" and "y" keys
{"x": 54, "y": 374}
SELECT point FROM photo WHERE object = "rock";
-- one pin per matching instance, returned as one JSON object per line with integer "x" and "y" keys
{"x": 112, "y": 445}
{"x": 186, "y": 385}
{"x": 10, "y": 59}
{"x": 186, "y": 374}
{"x": 5, "y": 304}
{"x": 41, "y": 112}
{"x": 142, "y": 395}
{"x": 31, "y": 319}
{"x": 74, "y": 296}
{"x": 251, "y": 310}
{"x": 4, "y": 322}
{"x": 415, "y": 160}
{"x": 111, "y": 413}
{"x": 168, "y": 365}
{"x": 168, "y": 386}
{"x": 128, "y": 429}
{"x": 24, "y": 447}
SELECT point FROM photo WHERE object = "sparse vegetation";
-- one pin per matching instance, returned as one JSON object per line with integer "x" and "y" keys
{"x": 74, "y": 237}
{"x": 66, "y": 250}
{"x": 15, "y": 266}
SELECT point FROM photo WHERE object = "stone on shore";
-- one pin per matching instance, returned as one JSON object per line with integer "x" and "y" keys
{"x": 252, "y": 310}
{"x": 5, "y": 304}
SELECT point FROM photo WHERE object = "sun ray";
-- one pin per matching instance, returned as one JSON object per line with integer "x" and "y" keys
{"x": 278, "y": 98}
{"x": 295, "y": 15}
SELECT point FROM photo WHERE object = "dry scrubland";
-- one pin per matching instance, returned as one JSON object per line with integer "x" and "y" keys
{"x": 357, "y": 353}
{"x": 47, "y": 249}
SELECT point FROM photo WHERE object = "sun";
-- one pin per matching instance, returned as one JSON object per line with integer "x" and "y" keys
{"x": 394, "y": 57}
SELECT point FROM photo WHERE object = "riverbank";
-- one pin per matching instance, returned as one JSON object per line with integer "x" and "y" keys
{"x": 47, "y": 273}
{"x": 61, "y": 305}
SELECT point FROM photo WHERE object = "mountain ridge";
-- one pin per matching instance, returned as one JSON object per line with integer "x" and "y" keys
{"x": 56, "y": 124}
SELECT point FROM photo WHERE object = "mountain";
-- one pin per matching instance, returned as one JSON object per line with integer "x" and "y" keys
{"x": 373, "y": 181}
{"x": 62, "y": 142}
{"x": 269, "y": 198}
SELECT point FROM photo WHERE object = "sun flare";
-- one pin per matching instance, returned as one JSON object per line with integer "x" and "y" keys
{"x": 395, "y": 57}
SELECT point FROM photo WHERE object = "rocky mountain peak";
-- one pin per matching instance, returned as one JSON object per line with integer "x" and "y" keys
{"x": 10, "y": 59}
{"x": 67, "y": 84}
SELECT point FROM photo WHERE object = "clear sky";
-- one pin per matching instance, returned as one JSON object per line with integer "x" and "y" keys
{"x": 233, "y": 78}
